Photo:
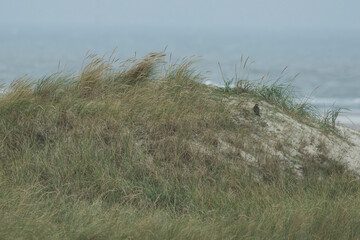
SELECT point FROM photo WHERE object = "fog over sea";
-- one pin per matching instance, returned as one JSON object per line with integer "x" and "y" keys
{"x": 329, "y": 60}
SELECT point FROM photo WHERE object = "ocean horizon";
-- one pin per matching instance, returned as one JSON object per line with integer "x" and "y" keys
{"x": 328, "y": 62}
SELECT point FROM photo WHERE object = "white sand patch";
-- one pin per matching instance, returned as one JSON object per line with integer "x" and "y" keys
{"x": 288, "y": 138}
{"x": 302, "y": 137}
{"x": 351, "y": 150}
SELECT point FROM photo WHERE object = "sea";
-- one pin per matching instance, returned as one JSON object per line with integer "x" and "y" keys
{"x": 325, "y": 63}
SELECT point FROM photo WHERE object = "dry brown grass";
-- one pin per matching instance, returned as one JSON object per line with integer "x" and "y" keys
{"x": 144, "y": 153}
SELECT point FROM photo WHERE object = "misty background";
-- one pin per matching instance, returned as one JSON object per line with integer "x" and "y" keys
{"x": 320, "y": 39}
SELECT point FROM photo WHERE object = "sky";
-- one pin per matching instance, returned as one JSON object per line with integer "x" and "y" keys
{"x": 255, "y": 14}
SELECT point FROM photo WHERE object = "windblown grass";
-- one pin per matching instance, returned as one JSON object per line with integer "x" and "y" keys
{"x": 281, "y": 93}
{"x": 331, "y": 114}
{"x": 135, "y": 152}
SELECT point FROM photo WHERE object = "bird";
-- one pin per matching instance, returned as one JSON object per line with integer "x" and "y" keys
{"x": 256, "y": 109}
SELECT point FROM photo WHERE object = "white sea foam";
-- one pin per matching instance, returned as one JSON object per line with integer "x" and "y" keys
{"x": 336, "y": 101}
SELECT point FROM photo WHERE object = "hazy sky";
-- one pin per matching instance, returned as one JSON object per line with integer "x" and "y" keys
{"x": 273, "y": 14}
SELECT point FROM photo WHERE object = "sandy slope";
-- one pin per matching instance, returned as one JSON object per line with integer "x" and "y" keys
{"x": 290, "y": 139}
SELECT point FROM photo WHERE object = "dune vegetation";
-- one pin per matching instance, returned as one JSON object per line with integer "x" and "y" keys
{"x": 142, "y": 149}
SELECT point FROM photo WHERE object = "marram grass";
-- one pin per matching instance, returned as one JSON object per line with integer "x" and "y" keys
{"x": 133, "y": 152}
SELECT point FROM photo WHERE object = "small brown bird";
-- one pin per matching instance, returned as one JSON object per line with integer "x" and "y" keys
{"x": 256, "y": 109}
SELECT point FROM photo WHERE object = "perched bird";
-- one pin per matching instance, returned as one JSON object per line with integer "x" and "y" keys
{"x": 257, "y": 109}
